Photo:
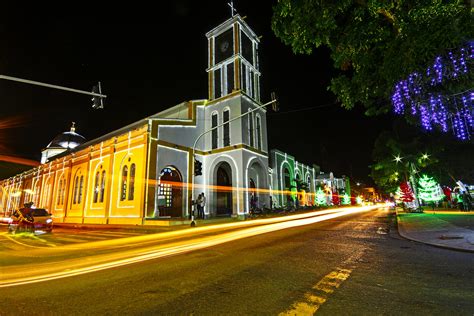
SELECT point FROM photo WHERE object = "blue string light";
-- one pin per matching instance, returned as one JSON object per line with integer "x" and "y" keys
{"x": 434, "y": 109}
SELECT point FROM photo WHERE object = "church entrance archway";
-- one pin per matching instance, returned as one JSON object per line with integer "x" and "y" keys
{"x": 257, "y": 179}
{"x": 170, "y": 193}
{"x": 224, "y": 190}
{"x": 287, "y": 198}
{"x": 252, "y": 185}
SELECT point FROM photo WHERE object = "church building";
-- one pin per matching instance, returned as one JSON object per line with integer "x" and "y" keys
{"x": 150, "y": 171}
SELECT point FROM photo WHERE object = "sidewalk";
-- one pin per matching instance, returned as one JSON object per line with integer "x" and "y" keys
{"x": 429, "y": 229}
{"x": 150, "y": 228}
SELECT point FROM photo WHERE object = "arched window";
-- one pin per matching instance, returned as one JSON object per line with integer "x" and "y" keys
{"x": 45, "y": 193}
{"x": 123, "y": 193}
{"x": 131, "y": 190}
{"x": 96, "y": 187}
{"x": 63, "y": 191}
{"x": 286, "y": 174}
{"x": 258, "y": 127}
{"x": 170, "y": 192}
{"x": 215, "y": 135}
{"x": 102, "y": 187}
{"x": 225, "y": 120}
{"x": 60, "y": 192}
{"x": 76, "y": 188}
{"x": 36, "y": 196}
{"x": 81, "y": 186}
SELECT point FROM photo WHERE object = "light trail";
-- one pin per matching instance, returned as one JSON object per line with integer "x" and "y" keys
{"x": 19, "y": 160}
{"x": 47, "y": 272}
{"x": 222, "y": 188}
{"x": 140, "y": 240}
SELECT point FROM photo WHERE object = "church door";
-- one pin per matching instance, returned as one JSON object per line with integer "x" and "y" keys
{"x": 252, "y": 186}
{"x": 170, "y": 193}
{"x": 224, "y": 190}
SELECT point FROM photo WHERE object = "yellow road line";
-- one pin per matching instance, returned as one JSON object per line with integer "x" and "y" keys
{"x": 319, "y": 293}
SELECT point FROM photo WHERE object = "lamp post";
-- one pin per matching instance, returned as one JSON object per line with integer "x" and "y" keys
{"x": 193, "y": 150}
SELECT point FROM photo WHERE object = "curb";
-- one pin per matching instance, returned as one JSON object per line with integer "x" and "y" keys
{"x": 403, "y": 235}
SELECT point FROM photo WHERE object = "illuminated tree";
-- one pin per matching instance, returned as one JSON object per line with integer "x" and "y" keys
{"x": 406, "y": 194}
{"x": 335, "y": 198}
{"x": 429, "y": 189}
{"x": 398, "y": 193}
{"x": 346, "y": 199}
{"x": 375, "y": 44}
{"x": 320, "y": 197}
{"x": 359, "y": 200}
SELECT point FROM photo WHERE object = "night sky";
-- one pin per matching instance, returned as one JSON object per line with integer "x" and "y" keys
{"x": 151, "y": 58}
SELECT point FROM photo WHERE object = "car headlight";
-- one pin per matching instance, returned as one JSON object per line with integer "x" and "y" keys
{"x": 49, "y": 220}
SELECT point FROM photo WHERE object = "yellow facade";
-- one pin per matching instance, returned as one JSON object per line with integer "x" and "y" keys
{"x": 101, "y": 183}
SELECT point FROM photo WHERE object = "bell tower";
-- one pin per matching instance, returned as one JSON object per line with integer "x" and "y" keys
{"x": 233, "y": 59}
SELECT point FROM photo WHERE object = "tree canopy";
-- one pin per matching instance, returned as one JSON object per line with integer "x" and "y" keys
{"x": 373, "y": 43}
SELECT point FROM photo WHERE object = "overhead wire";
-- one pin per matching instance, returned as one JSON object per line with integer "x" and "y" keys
{"x": 303, "y": 109}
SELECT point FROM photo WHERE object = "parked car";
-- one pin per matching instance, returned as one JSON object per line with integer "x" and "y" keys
{"x": 30, "y": 220}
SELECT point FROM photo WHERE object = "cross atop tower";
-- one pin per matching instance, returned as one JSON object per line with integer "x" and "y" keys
{"x": 232, "y": 8}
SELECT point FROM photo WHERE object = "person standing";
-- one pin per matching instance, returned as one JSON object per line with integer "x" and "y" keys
{"x": 198, "y": 206}
{"x": 253, "y": 204}
{"x": 460, "y": 201}
{"x": 202, "y": 204}
{"x": 467, "y": 200}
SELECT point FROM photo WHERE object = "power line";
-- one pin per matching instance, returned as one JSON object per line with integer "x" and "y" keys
{"x": 304, "y": 109}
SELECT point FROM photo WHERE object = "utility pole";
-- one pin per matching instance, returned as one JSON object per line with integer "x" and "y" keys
{"x": 97, "y": 93}
{"x": 193, "y": 152}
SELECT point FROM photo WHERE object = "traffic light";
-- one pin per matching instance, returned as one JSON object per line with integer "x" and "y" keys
{"x": 97, "y": 102}
{"x": 197, "y": 167}
{"x": 275, "y": 105}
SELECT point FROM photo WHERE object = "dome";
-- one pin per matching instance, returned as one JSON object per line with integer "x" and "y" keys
{"x": 67, "y": 140}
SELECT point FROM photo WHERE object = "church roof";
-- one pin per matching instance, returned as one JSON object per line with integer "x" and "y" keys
{"x": 167, "y": 114}
{"x": 67, "y": 140}
{"x": 224, "y": 25}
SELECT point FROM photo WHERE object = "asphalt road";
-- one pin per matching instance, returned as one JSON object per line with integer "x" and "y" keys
{"x": 352, "y": 265}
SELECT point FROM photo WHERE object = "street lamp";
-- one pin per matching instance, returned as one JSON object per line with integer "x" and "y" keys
{"x": 397, "y": 159}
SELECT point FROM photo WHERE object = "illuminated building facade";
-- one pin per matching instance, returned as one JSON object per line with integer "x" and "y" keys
{"x": 142, "y": 174}
{"x": 290, "y": 178}
{"x": 143, "y": 171}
